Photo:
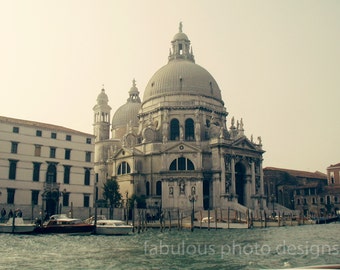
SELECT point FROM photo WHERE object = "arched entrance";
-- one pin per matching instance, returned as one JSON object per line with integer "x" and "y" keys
{"x": 240, "y": 171}
{"x": 51, "y": 190}
{"x": 51, "y": 206}
{"x": 206, "y": 194}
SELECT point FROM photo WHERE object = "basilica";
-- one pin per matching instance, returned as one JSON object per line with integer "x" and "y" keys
{"x": 175, "y": 145}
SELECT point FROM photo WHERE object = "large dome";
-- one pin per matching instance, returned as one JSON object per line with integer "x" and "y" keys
{"x": 182, "y": 76}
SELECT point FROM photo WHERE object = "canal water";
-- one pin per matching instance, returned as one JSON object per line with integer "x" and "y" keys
{"x": 266, "y": 248}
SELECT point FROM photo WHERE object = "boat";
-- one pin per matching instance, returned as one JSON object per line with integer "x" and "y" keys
{"x": 326, "y": 220}
{"x": 63, "y": 224}
{"x": 110, "y": 226}
{"x": 17, "y": 226}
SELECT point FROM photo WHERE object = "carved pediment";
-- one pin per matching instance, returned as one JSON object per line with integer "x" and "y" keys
{"x": 181, "y": 147}
{"x": 243, "y": 143}
{"x": 124, "y": 152}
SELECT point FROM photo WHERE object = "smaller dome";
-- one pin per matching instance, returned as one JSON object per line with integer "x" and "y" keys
{"x": 133, "y": 89}
{"x": 102, "y": 98}
{"x": 127, "y": 113}
{"x": 180, "y": 36}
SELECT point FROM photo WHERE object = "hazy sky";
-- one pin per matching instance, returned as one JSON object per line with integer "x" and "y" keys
{"x": 276, "y": 62}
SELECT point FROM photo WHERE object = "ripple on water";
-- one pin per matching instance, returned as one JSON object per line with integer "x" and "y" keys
{"x": 222, "y": 249}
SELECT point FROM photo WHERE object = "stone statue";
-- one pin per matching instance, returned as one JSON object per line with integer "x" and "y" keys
{"x": 260, "y": 140}
{"x": 232, "y": 121}
{"x": 181, "y": 187}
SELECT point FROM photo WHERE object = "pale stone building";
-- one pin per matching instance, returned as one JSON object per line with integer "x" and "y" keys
{"x": 45, "y": 168}
{"x": 176, "y": 144}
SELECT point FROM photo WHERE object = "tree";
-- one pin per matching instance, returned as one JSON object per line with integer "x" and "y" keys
{"x": 111, "y": 194}
{"x": 140, "y": 200}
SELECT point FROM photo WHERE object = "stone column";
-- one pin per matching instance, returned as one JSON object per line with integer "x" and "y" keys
{"x": 253, "y": 179}
{"x": 222, "y": 186}
{"x": 197, "y": 132}
{"x": 261, "y": 179}
{"x": 233, "y": 180}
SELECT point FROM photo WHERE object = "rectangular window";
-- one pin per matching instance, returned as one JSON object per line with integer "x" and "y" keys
{"x": 12, "y": 169}
{"x": 38, "y": 133}
{"x": 68, "y": 154}
{"x": 37, "y": 150}
{"x": 68, "y": 137}
{"x": 67, "y": 172}
{"x": 10, "y": 195}
{"x": 36, "y": 171}
{"x": 86, "y": 200}
{"x": 66, "y": 198}
{"x": 53, "y": 135}
{"x": 52, "y": 152}
{"x": 14, "y": 148}
{"x": 88, "y": 156}
{"x": 88, "y": 140}
{"x": 35, "y": 197}
{"x": 15, "y": 129}
{"x": 87, "y": 176}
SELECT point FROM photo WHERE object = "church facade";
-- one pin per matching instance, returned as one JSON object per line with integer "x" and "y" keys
{"x": 175, "y": 146}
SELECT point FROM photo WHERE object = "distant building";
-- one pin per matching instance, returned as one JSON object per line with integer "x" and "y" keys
{"x": 45, "y": 168}
{"x": 174, "y": 148}
{"x": 333, "y": 175}
{"x": 332, "y": 191}
{"x": 309, "y": 192}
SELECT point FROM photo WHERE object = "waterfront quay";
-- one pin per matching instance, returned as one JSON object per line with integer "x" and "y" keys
{"x": 232, "y": 220}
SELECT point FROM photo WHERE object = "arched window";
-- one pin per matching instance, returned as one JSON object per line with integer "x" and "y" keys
{"x": 174, "y": 130}
{"x": 189, "y": 130}
{"x": 147, "y": 188}
{"x": 182, "y": 164}
{"x": 51, "y": 174}
{"x": 159, "y": 188}
{"x": 124, "y": 168}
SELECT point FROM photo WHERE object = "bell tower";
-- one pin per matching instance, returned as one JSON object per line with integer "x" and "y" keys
{"x": 101, "y": 124}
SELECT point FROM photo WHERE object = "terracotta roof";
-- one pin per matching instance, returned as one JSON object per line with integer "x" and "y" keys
{"x": 14, "y": 121}
{"x": 296, "y": 173}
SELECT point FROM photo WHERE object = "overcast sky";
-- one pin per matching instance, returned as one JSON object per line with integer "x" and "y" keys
{"x": 276, "y": 62}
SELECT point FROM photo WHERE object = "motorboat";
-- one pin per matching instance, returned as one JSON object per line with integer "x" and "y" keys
{"x": 17, "y": 225}
{"x": 63, "y": 224}
{"x": 110, "y": 226}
